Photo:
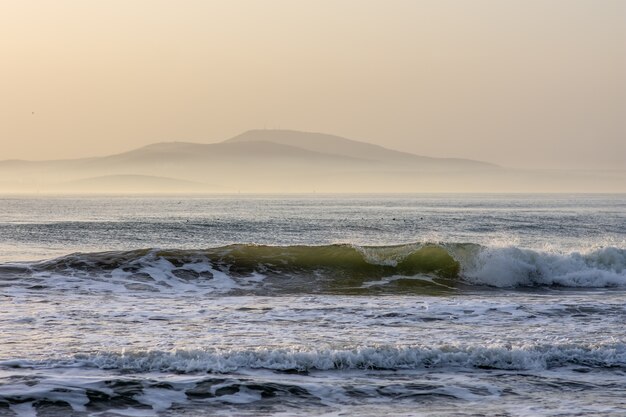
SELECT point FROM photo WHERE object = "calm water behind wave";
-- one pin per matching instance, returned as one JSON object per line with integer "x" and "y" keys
{"x": 37, "y": 228}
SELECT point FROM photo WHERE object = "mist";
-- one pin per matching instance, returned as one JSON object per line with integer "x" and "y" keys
{"x": 287, "y": 161}
{"x": 521, "y": 84}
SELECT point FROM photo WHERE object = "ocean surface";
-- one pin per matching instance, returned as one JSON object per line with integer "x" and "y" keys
{"x": 313, "y": 305}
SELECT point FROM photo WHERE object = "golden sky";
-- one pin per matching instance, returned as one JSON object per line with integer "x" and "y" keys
{"x": 524, "y": 83}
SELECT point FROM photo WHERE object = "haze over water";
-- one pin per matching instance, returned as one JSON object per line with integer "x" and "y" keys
{"x": 312, "y": 208}
{"x": 516, "y": 83}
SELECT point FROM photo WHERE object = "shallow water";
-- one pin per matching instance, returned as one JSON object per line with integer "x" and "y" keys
{"x": 484, "y": 305}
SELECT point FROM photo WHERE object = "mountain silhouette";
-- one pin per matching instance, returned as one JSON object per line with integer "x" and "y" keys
{"x": 270, "y": 160}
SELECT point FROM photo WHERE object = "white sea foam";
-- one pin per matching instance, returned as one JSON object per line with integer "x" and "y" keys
{"x": 494, "y": 356}
{"x": 512, "y": 266}
{"x": 160, "y": 399}
{"x": 24, "y": 409}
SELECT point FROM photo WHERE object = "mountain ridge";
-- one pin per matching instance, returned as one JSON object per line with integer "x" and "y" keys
{"x": 286, "y": 161}
{"x": 341, "y": 145}
{"x": 338, "y": 146}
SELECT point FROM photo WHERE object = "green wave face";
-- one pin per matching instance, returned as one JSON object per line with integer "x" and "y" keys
{"x": 341, "y": 269}
{"x": 364, "y": 262}
{"x": 430, "y": 259}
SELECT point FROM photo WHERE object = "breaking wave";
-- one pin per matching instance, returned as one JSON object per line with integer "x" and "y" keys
{"x": 200, "y": 382}
{"x": 247, "y": 268}
{"x": 502, "y": 357}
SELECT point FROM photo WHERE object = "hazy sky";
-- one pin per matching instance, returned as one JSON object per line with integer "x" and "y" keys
{"x": 528, "y": 83}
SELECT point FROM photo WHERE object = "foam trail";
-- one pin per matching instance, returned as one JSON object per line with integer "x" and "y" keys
{"x": 492, "y": 356}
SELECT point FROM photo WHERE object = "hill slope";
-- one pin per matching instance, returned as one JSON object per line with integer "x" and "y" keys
{"x": 337, "y": 145}
{"x": 287, "y": 161}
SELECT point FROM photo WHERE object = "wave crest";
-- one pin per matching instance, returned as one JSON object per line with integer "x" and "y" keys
{"x": 526, "y": 357}
{"x": 514, "y": 267}
{"x": 344, "y": 269}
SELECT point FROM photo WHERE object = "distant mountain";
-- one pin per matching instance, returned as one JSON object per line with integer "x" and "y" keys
{"x": 285, "y": 147}
{"x": 336, "y": 145}
{"x": 284, "y": 161}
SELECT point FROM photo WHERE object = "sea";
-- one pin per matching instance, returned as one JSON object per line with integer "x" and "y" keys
{"x": 313, "y": 305}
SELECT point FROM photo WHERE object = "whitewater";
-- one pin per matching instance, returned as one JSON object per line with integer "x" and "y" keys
{"x": 315, "y": 305}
